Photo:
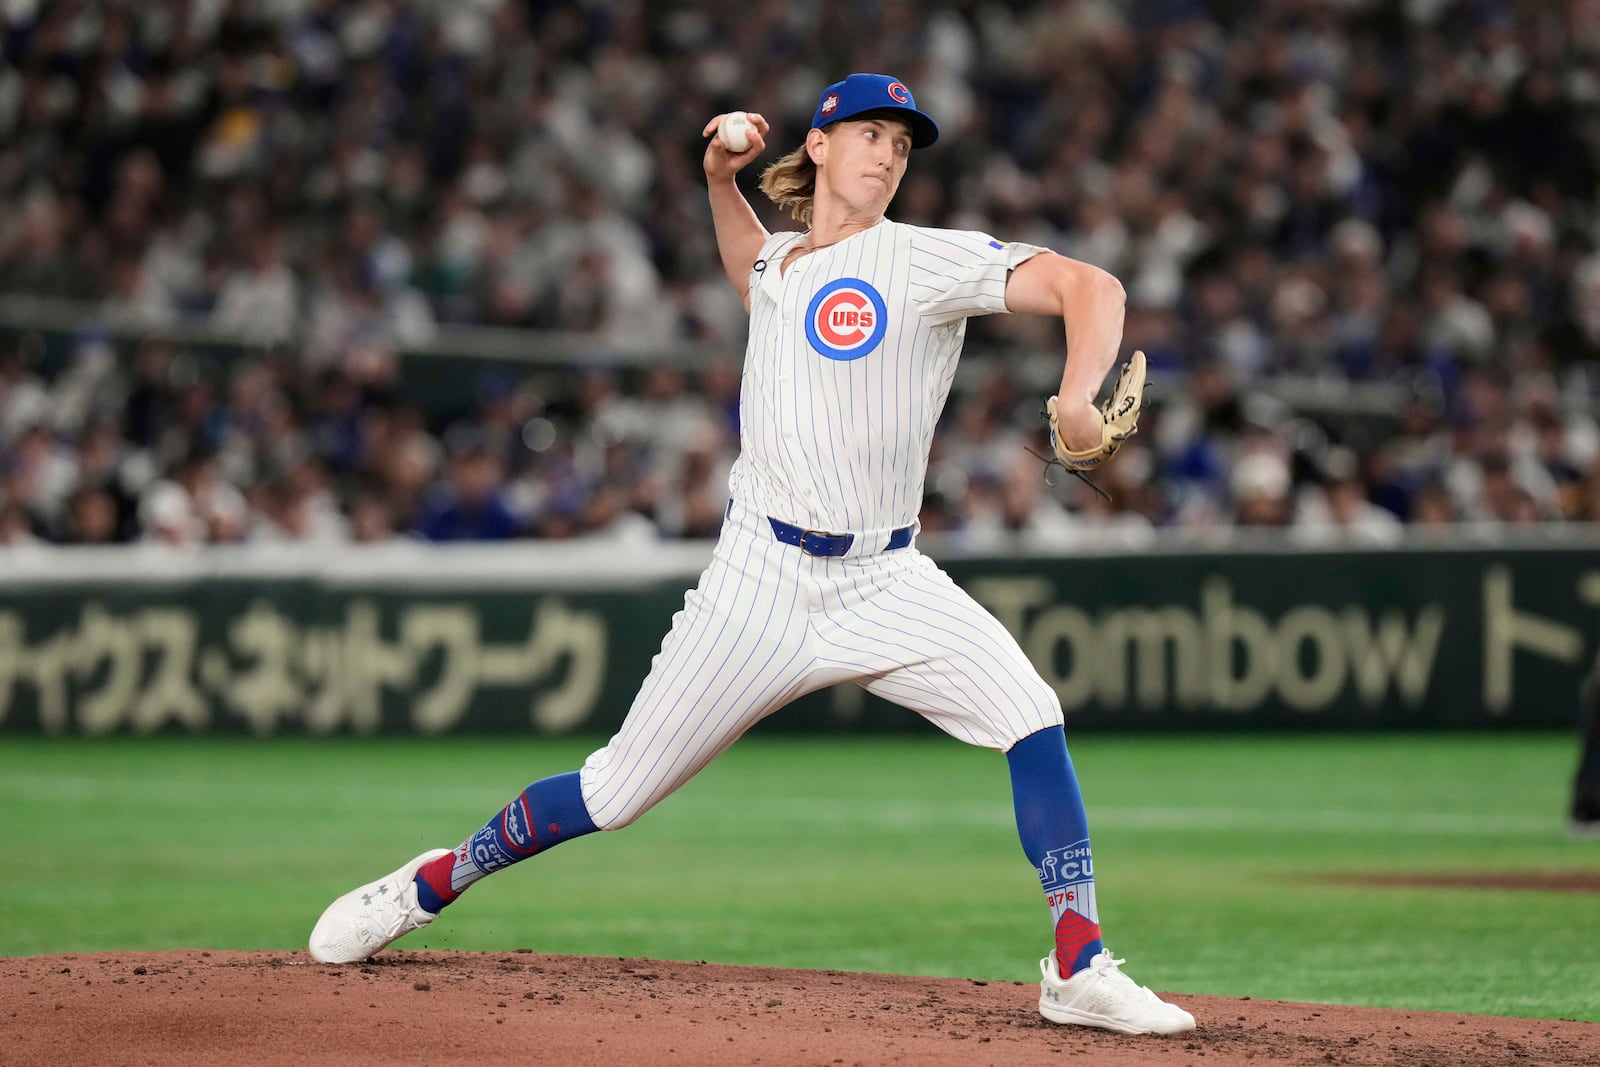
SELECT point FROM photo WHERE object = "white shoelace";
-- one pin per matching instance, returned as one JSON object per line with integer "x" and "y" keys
{"x": 1106, "y": 963}
{"x": 1109, "y": 968}
{"x": 394, "y": 928}
{"x": 398, "y": 923}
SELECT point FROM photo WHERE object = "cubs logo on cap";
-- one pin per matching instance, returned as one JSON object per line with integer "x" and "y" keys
{"x": 861, "y": 93}
{"x": 846, "y": 319}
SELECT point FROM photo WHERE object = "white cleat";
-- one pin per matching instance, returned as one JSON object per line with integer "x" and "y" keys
{"x": 1102, "y": 996}
{"x": 365, "y": 921}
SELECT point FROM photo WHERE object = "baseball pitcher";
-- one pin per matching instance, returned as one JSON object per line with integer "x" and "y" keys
{"x": 856, "y": 324}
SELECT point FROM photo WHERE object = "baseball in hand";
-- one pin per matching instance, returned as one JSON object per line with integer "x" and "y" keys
{"x": 735, "y": 131}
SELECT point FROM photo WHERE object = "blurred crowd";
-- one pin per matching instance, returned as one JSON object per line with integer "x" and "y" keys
{"x": 1336, "y": 191}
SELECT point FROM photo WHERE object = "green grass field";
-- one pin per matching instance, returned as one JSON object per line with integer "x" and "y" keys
{"x": 1217, "y": 858}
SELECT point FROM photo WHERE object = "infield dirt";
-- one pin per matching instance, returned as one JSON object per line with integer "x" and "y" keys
{"x": 446, "y": 1008}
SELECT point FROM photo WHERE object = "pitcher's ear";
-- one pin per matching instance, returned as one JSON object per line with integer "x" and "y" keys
{"x": 816, "y": 146}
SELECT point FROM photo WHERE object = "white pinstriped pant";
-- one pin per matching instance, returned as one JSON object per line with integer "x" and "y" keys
{"x": 768, "y": 623}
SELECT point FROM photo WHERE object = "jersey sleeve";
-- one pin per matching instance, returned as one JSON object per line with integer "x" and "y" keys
{"x": 956, "y": 274}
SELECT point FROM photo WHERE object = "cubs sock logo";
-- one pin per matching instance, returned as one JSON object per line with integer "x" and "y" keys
{"x": 846, "y": 319}
{"x": 488, "y": 853}
{"x": 506, "y": 840}
{"x": 1067, "y": 866}
{"x": 1067, "y": 875}
{"x": 516, "y": 826}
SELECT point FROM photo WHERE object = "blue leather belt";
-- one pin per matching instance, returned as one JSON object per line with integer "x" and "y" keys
{"x": 818, "y": 543}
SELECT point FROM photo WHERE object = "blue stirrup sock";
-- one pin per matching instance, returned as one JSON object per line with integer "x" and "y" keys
{"x": 1055, "y": 836}
{"x": 542, "y": 816}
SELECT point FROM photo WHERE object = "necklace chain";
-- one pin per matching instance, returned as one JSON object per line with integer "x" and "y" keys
{"x": 809, "y": 247}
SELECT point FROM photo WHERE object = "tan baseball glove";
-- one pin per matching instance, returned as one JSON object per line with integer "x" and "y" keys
{"x": 1119, "y": 420}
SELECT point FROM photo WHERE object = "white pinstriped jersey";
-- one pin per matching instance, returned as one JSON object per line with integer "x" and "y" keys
{"x": 849, "y": 361}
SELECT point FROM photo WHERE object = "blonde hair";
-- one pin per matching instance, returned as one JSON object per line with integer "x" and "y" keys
{"x": 791, "y": 183}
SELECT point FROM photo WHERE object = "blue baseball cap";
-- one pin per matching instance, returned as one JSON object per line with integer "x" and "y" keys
{"x": 860, "y": 93}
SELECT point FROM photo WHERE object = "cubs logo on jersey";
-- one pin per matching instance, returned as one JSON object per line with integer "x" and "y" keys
{"x": 846, "y": 319}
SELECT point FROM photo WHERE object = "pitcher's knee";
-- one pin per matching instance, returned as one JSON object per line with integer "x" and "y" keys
{"x": 1041, "y": 709}
{"x": 614, "y": 799}
{"x": 619, "y": 817}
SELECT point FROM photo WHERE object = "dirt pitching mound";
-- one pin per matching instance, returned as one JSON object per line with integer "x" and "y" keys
{"x": 448, "y": 1008}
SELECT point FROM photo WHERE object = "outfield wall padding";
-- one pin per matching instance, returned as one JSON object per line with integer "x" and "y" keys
{"x": 555, "y": 639}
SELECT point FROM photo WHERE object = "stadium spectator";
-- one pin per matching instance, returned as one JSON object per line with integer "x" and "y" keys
{"x": 1341, "y": 514}
{"x": 91, "y": 518}
{"x": 472, "y": 506}
{"x": 1294, "y": 192}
